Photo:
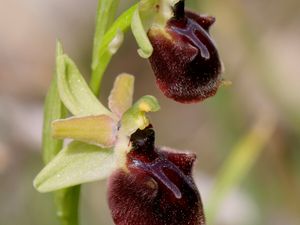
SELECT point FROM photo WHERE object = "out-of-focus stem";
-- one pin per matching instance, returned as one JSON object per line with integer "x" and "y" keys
{"x": 239, "y": 162}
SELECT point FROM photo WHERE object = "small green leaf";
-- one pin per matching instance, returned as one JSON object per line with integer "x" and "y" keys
{"x": 76, "y": 164}
{"x": 100, "y": 130}
{"x": 104, "y": 54}
{"x": 120, "y": 98}
{"x": 74, "y": 91}
{"x": 53, "y": 110}
{"x": 135, "y": 117}
{"x": 240, "y": 160}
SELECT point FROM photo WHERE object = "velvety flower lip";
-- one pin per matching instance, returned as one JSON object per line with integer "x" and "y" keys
{"x": 157, "y": 187}
{"x": 185, "y": 59}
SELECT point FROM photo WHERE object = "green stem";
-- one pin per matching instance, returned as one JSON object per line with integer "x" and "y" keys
{"x": 67, "y": 202}
{"x": 239, "y": 162}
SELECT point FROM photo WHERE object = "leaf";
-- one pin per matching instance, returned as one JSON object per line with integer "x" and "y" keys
{"x": 76, "y": 164}
{"x": 122, "y": 23}
{"x": 105, "y": 15}
{"x": 120, "y": 98}
{"x": 100, "y": 130}
{"x": 53, "y": 110}
{"x": 135, "y": 117}
{"x": 74, "y": 91}
{"x": 104, "y": 54}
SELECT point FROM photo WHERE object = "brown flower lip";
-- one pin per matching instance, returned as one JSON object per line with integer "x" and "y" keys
{"x": 185, "y": 59}
{"x": 157, "y": 187}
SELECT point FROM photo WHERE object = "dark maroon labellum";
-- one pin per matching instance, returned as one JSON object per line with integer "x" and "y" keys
{"x": 185, "y": 60}
{"x": 157, "y": 189}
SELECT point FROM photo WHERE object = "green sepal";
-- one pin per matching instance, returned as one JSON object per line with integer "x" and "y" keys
{"x": 77, "y": 163}
{"x": 74, "y": 91}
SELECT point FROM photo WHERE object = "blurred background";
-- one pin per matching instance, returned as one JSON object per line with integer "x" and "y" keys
{"x": 259, "y": 43}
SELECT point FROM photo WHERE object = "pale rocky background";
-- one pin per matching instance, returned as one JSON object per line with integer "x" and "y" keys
{"x": 260, "y": 46}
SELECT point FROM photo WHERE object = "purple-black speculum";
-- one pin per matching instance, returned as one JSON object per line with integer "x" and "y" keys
{"x": 157, "y": 188}
{"x": 185, "y": 59}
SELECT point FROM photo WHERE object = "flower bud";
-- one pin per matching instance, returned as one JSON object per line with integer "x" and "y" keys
{"x": 185, "y": 60}
{"x": 157, "y": 187}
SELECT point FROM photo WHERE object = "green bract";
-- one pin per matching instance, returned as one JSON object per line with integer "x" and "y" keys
{"x": 140, "y": 35}
{"x": 149, "y": 13}
{"x": 102, "y": 135}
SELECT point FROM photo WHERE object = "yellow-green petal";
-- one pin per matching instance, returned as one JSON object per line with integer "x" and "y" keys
{"x": 135, "y": 117}
{"x": 100, "y": 130}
